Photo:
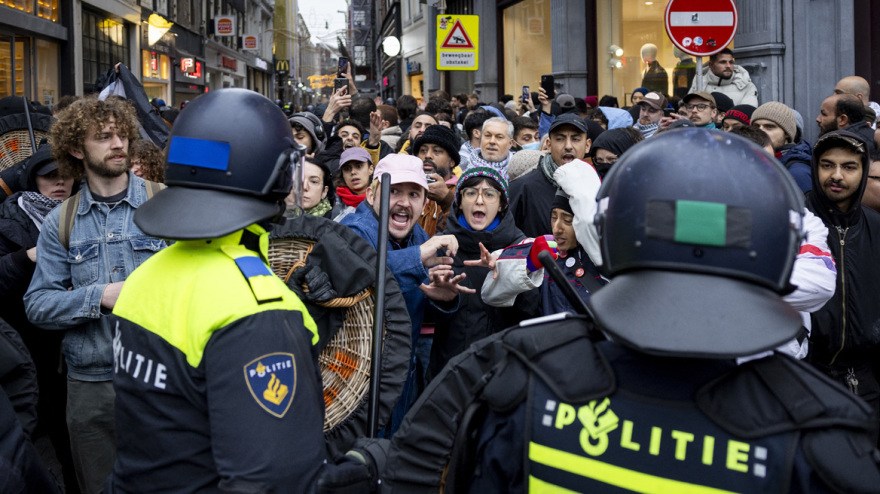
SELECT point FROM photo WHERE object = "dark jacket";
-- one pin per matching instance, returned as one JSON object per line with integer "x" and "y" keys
{"x": 21, "y": 470}
{"x": 656, "y": 78}
{"x": 18, "y": 378}
{"x": 476, "y": 320}
{"x": 796, "y": 157}
{"x": 847, "y": 329}
{"x": 530, "y": 199}
{"x": 553, "y": 301}
{"x": 863, "y": 130}
{"x": 18, "y": 233}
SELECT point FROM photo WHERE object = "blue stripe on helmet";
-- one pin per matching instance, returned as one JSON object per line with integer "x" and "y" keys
{"x": 201, "y": 153}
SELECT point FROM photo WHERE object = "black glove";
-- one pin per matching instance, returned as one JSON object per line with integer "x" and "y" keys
{"x": 373, "y": 452}
{"x": 320, "y": 289}
{"x": 347, "y": 475}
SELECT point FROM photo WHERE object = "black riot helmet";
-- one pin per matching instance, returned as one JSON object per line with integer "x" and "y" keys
{"x": 231, "y": 161}
{"x": 699, "y": 245}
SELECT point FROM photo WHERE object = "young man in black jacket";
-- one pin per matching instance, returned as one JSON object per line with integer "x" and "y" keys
{"x": 532, "y": 194}
{"x": 845, "y": 341}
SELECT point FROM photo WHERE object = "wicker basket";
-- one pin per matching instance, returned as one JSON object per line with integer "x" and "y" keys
{"x": 345, "y": 361}
{"x": 15, "y": 146}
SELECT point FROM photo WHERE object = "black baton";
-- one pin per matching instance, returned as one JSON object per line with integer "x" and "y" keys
{"x": 379, "y": 316}
{"x": 27, "y": 116}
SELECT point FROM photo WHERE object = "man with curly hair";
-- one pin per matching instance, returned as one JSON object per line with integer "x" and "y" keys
{"x": 81, "y": 266}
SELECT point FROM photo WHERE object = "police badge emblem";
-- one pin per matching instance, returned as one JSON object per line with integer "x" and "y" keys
{"x": 271, "y": 379}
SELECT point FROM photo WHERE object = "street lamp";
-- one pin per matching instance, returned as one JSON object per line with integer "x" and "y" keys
{"x": 391, "y": 46}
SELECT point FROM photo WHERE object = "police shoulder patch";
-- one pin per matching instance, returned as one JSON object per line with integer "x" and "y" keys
{"x": 271, "y": 379}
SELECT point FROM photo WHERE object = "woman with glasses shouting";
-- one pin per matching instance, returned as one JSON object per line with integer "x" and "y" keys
{"x": 479, "y": 221}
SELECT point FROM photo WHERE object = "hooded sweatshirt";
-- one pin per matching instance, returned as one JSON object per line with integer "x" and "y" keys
{"x": 845, "y": 330}
{"x": 617, "y": 117}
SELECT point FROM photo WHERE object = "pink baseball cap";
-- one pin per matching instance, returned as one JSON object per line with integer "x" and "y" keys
{"x": 402, "y": 168}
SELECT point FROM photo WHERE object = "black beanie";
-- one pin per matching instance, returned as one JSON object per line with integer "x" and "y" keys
{"x": 560, "y": 201}
{"x": 441, "y": 136}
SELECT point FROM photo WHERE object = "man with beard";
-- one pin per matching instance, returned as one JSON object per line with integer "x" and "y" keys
{"x": 421, "y": 265}
{"x": 532, "y": 194}
{"x": 439, "y": 154}
{"x": 780, "y": 124}
{"x": 845, "y": 111}
{"x": 844, "y": 340}
{"x": 858, "y": 87}
{"x": 650, "y": 112}
{"x": 78, "y": 278}
{"x": 419, "y": 125}
{"x": 723, "y": 76}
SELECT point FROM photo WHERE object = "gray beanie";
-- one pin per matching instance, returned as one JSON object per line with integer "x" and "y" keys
{"x": 779, "y": 114}
{"x": 523, "y": 162}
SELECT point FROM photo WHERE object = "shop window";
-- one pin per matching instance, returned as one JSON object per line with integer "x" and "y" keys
{"x": 155, "y": 65}
{"x": 636, "y": 27}
{"x": 12, "y": 66}
{"x": 47, "y": 9}
{"x": 47, "y": 72}
{"x": 527, "y": 48}
{"x": 105, "y": 43}
{"x": 6, "y": 84}
{"x": 23, "y": 5}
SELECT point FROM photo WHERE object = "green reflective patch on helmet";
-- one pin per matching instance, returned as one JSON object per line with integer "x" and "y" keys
{"x": 702, "y": 223}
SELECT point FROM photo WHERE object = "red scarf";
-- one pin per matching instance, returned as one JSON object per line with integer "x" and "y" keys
{"x": 350, "y": 198}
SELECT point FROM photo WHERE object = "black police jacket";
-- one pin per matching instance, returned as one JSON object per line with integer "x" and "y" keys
{"x": 610, "y": 415}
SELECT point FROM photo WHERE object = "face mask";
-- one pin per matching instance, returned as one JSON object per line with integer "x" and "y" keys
{"x": 533, "y": 145}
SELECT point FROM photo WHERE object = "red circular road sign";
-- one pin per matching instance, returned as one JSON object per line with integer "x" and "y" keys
{"x": 701, "y": 27}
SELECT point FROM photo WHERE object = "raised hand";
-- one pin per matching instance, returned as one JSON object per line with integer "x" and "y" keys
{"x": 447, "y": 243}
{"x": 486, "y": 260}
{"x": 445, "y": 285}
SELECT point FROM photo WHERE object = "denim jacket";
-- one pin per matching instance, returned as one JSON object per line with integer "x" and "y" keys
{"x": 65, "y": 292}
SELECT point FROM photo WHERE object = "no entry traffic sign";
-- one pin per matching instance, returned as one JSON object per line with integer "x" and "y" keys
{"x": 701, "y": 27}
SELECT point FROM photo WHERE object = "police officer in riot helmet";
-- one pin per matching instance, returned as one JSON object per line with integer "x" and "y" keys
{"x": 699, "y": 252}
{"x": 217, "y": 387}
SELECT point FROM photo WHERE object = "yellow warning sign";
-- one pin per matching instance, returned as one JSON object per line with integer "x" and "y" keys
{"x": 458, "y": 45}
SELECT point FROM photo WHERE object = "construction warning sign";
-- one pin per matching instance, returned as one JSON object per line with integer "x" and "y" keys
{"x": 458, "y": 42}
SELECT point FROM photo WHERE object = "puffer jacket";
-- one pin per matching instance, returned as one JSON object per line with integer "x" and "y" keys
{"x": 739, "y": 87}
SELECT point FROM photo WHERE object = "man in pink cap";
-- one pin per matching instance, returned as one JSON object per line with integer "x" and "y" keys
{"x": 422, "y": 273}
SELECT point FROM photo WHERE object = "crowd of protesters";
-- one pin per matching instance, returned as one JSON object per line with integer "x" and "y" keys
{"x": 471, "y": 181}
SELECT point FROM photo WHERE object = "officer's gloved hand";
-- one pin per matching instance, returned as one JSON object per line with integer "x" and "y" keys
{"x": 372, "y": 452}
{"x": 347, "y": 475}
{"x": 318, "y": 283}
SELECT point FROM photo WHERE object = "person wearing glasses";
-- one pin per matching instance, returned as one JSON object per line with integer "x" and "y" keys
{"x": 479, "y": 221}
{"x": 701, "y": 109}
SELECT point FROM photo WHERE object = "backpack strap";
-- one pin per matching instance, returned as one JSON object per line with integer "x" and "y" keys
{"x": 66, "y": 218}
{"x": 152, "y": 188}
{"x": 67, "y": 215}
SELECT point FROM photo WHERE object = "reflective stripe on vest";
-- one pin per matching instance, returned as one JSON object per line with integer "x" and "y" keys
{"x": 648, "y": 446}
{"x": 229, "y": 281}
